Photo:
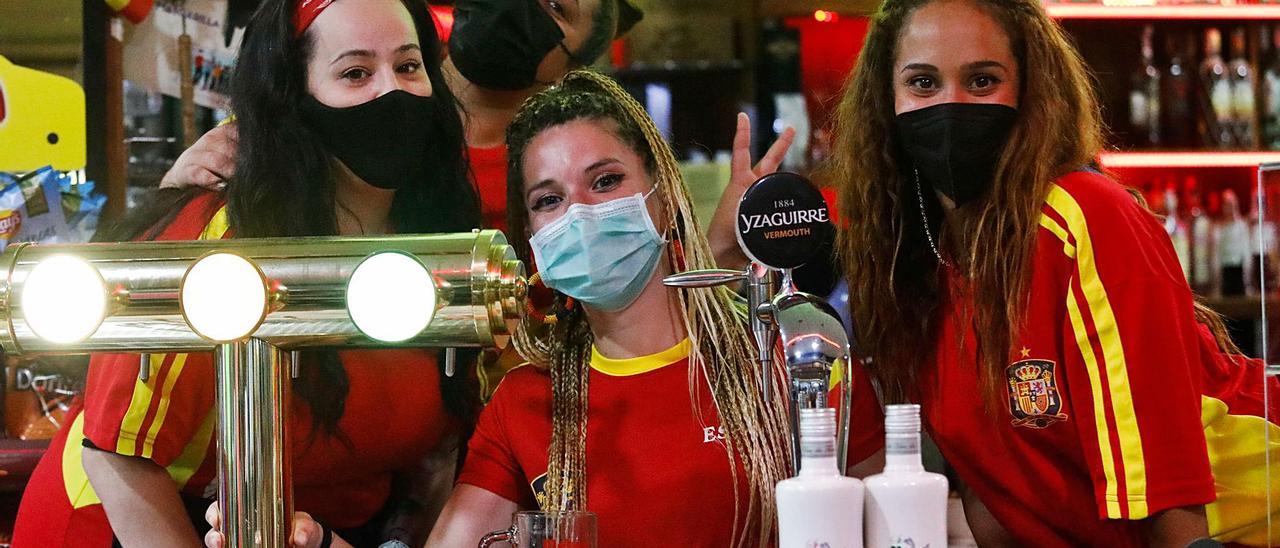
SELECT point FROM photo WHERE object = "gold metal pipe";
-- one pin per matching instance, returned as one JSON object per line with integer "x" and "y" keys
{"x": 480, "y": 291}
{"x": 480, "y": 288}
{"x": 255, "y": 486}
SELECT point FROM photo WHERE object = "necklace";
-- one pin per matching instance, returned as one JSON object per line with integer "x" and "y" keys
{"x": 925, "y": 217}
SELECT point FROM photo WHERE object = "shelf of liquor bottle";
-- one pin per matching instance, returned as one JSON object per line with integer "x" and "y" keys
{"x": 1186, "y": 12}
{"x": 1197, "y": 159}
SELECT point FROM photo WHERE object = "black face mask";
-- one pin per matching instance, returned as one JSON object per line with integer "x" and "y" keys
{"x": 498, "y": 44}
{"x": 384, "y": 141}
{"x": 954, "y": 146}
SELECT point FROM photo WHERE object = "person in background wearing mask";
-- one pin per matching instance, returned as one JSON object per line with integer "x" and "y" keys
{"x": 1072, "y": 381}
{"x": 346, "y": 127}
{"x": 499, "y": 53}
{"x": 503, "y": 51}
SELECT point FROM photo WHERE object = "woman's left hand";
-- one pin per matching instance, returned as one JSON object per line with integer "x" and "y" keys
{"x": 724, "y": 243}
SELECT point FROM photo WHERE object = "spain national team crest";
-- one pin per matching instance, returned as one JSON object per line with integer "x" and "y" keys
{"x": 1034, "y": 399}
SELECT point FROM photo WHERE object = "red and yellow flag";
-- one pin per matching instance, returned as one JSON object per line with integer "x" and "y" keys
{"x": 133, "y": 10}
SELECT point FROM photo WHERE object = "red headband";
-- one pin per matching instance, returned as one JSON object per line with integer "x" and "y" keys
{"x": 306, "y": 13}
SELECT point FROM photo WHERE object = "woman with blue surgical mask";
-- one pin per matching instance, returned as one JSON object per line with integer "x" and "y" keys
{"x": 596, "y": 197}
{"x": 603, "y": 254}
{"x": 640, "y": 402}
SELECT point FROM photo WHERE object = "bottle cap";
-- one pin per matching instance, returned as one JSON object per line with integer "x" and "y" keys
{"x": 818, "y": 423}
{"x": 818, "y": 433}
{"x": 902, "y": 419}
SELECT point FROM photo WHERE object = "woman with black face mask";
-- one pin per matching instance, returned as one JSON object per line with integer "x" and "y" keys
{"x": 500, "y": 53}
{"x": 346, "y": 127}
{"x": 1078, "y": 390}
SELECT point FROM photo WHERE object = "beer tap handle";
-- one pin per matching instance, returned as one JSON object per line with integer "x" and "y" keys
{"x": 450, "y": 361}
{"x": 760, "y": 305}
{"x": 704, "y": 278}
{"x": 295, "y": 364}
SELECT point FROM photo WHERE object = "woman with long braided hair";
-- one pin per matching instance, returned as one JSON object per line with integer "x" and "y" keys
{"x": 642, "y": 403}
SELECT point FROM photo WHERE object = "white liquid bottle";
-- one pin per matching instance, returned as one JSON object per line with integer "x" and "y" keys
{"x": 906, "y": 506}
{"x": 820, "y": 507}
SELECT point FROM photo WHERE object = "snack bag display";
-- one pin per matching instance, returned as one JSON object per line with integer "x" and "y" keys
{"x": 38, "y": 393}
{"x": 47, "y": 206}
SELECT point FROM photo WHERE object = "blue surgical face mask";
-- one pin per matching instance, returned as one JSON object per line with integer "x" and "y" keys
{"x": 602, "y": 254}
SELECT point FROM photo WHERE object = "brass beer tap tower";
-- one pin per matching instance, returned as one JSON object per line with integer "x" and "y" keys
{"x": 251, "y": 302}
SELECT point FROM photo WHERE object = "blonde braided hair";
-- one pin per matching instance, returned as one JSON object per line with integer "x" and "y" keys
{"x": 722, "y": 348}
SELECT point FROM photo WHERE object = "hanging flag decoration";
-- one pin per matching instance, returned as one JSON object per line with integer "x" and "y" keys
{"x": 133, "y": 10}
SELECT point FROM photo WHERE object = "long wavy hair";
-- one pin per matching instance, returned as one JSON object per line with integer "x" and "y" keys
{"x": 284, "y": 183}
{"x": 723, "y": 349}
{"x": 884, "y": 250}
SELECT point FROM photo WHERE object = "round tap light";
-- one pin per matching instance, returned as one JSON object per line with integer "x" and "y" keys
{"x": 223, "y": 297}
{"x": 64, "y": 299}
{"x": 391, "y": 297}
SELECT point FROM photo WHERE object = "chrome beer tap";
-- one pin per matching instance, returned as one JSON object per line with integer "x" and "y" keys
{"x": 781, "y": 221}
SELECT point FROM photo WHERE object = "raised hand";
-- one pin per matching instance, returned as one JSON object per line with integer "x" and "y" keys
{"x": 724, "y": 244}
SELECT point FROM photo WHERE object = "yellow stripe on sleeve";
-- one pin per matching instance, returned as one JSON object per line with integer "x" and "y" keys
{"x": 136, "y": 414}
{"x": 1099, "y": 409}
{"x": 80, "y": 492}
{"x": 1113, "y": 357}
{"x": 1051, "y": 224}
{"x": 175, "y": 370}
{"x": 193, "y": 454}
{"x": 217, "y": 227}
{"x": 131, "y": 426}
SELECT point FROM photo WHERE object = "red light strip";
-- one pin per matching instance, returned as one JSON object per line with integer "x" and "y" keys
{"x": 1209, "y": 11}
{"x": 1186, "y": 159}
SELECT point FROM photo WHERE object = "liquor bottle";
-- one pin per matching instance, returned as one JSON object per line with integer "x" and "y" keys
{"x": 1215, "y": 129}
{"x": 1178, "y": 116}
{"x": 906, "y": 506}
{"x": 1203, "y": 281}
{"x": 1232, "y": 243}
{"x": 1244, "y": 119}
{"x": 1270, "y": 106}
{"x": 1178, "y": 231}
{"x": 820, "y": 506}
{"x": 1262, "y": 247}
{"x": 1144, "y": 98}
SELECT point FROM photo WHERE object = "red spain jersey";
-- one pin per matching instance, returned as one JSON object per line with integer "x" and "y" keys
{"x": 656, "y": 474}
{"x": 489, "y": 171}
{"x": 1117, "y": 403}
{"x": 393, "y": 417}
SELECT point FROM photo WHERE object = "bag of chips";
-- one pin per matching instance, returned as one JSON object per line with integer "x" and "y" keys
{"x": 38, "y": 393}
{"x": 47, "y": 206}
